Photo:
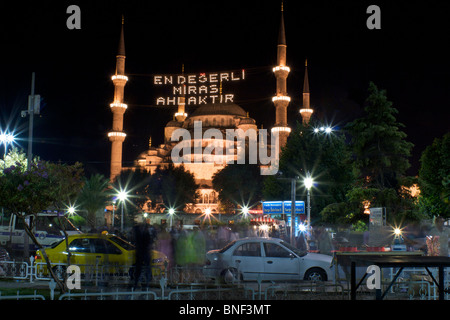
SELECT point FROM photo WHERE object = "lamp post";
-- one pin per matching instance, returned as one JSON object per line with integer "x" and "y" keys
{"x": 293, "y": 196}
{"x": 122, "y": 196}
{"x": 113, "y": 213}
{"x": 308, "y": 182}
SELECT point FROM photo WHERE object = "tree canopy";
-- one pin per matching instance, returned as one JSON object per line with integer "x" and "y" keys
{"x": 379, "y": 146}
{"x": 325, "y": 156}
{"x": 238, "y": 185}
{"x": 380, "y": 158}
{"x": 169, "y": 187}
{"x": 434, "y": 177}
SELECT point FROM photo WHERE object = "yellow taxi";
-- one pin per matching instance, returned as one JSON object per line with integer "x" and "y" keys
{"x": 106, "y": 250}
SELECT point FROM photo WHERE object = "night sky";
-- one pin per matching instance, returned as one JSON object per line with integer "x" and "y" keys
{"x": 409, "y": 57}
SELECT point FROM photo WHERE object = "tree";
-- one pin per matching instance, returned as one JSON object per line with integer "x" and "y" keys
{"x": 94, "y": 196}
{"x": 379, "y": 146}
{"x": 173, "y": 185}
{"x": 434, "y": 177}
{"x": 380, "y": 153}
{"x": 14, "y": 155}
{"x": 26, "y": 192}
{"x": 136, "y": 185}
{"x": 325, "y": 157}
{"x": 238, "y": 184}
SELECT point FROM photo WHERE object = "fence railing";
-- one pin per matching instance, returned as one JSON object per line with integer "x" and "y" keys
{"x": 188, "y": 282}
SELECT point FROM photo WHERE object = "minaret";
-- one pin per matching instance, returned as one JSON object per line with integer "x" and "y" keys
{"x": 281, "y": 100}
{"x": 306, "y": 111}
{"x": 118, "y": 108}
{"x": 181, "y": 115}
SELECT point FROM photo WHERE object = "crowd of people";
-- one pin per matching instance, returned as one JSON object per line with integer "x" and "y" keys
{"x": 187, "y": 246}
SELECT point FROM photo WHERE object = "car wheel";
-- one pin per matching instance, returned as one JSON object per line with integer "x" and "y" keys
{"x": 316, "y": 274}
{"x": 229, "y": 275}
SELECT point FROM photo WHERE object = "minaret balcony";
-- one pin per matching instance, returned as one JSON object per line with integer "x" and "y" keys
{"x": 118, "y": 105}
{"x": 119, "y": 77}
{"x": 281, "y": 98}
{"x": 281, "y": 129}
{"x": 116, "y": 136}
{"x": 179, "y": 114}
{"x": 281, "y": 68}
{"x": 306, "y": 110}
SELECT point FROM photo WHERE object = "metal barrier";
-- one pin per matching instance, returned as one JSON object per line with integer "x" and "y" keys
{"x": 18, "y": 296}
{"x": 14, "y": 270}
{"x": 125, "y": 295}
{"x": 309, "y": 290}
{"x": 188, "y": 282}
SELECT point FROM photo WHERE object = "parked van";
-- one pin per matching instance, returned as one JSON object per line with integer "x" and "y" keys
{"x": 46, "y": 231}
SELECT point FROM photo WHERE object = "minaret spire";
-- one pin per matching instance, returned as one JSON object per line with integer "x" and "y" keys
{"x": 121, "y": 50}
{"x": 118, "y": 108}
{"x": 306, "y": 111}
{"x": 281, "y": 100}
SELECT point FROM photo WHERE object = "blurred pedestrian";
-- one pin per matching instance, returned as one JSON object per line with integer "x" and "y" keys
{"x": 325, "y": 243}
{"x": 301, "y": 242}
{"x": 199, "y": 247}
{"x": 223, "y": 236}
{"x": 143, "y": 240}
{"x": 438, "y": 240}
{"x": 164, "y": 244}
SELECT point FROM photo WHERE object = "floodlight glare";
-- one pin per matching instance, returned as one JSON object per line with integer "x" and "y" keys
{"x": 308, "y": 182}
{"x": 122, "y": 195}
{"x": 71, "y": 210}
{"x": 302, "y": 227}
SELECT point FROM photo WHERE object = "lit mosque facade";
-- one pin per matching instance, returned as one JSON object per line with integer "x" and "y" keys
{"x": 221, "y": 115}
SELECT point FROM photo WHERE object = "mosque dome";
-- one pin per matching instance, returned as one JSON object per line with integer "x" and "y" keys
{"x": 247, "y": 121}
{"x": 174, "y": 123}
{"x": 229, "y": 109}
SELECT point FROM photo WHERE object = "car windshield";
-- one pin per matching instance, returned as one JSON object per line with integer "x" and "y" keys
{"x": 227, "y": 246}
{"x": 124, "y": 244}
{"x": 57, "y": 243}
{"x": 297, "y": 251}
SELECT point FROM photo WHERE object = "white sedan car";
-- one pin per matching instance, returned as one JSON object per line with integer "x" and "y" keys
{"x": 266, "y": 259}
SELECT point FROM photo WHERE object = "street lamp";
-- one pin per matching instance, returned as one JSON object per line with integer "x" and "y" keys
{"x": 122, "y": 196}
{"x": 308, "y": 183}
{"x": 6, "y": 138}
{"x": 71, "y": 210}
{"x": 322, "y": 129}
{"x": 245, "y": 211}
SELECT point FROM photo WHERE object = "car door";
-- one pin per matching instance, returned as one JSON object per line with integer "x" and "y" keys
{"x": 280, "y": 263}
{"x": 114, "y": 258}
{"x": 247, "y": 259}
{"x": 80, "y": 252}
